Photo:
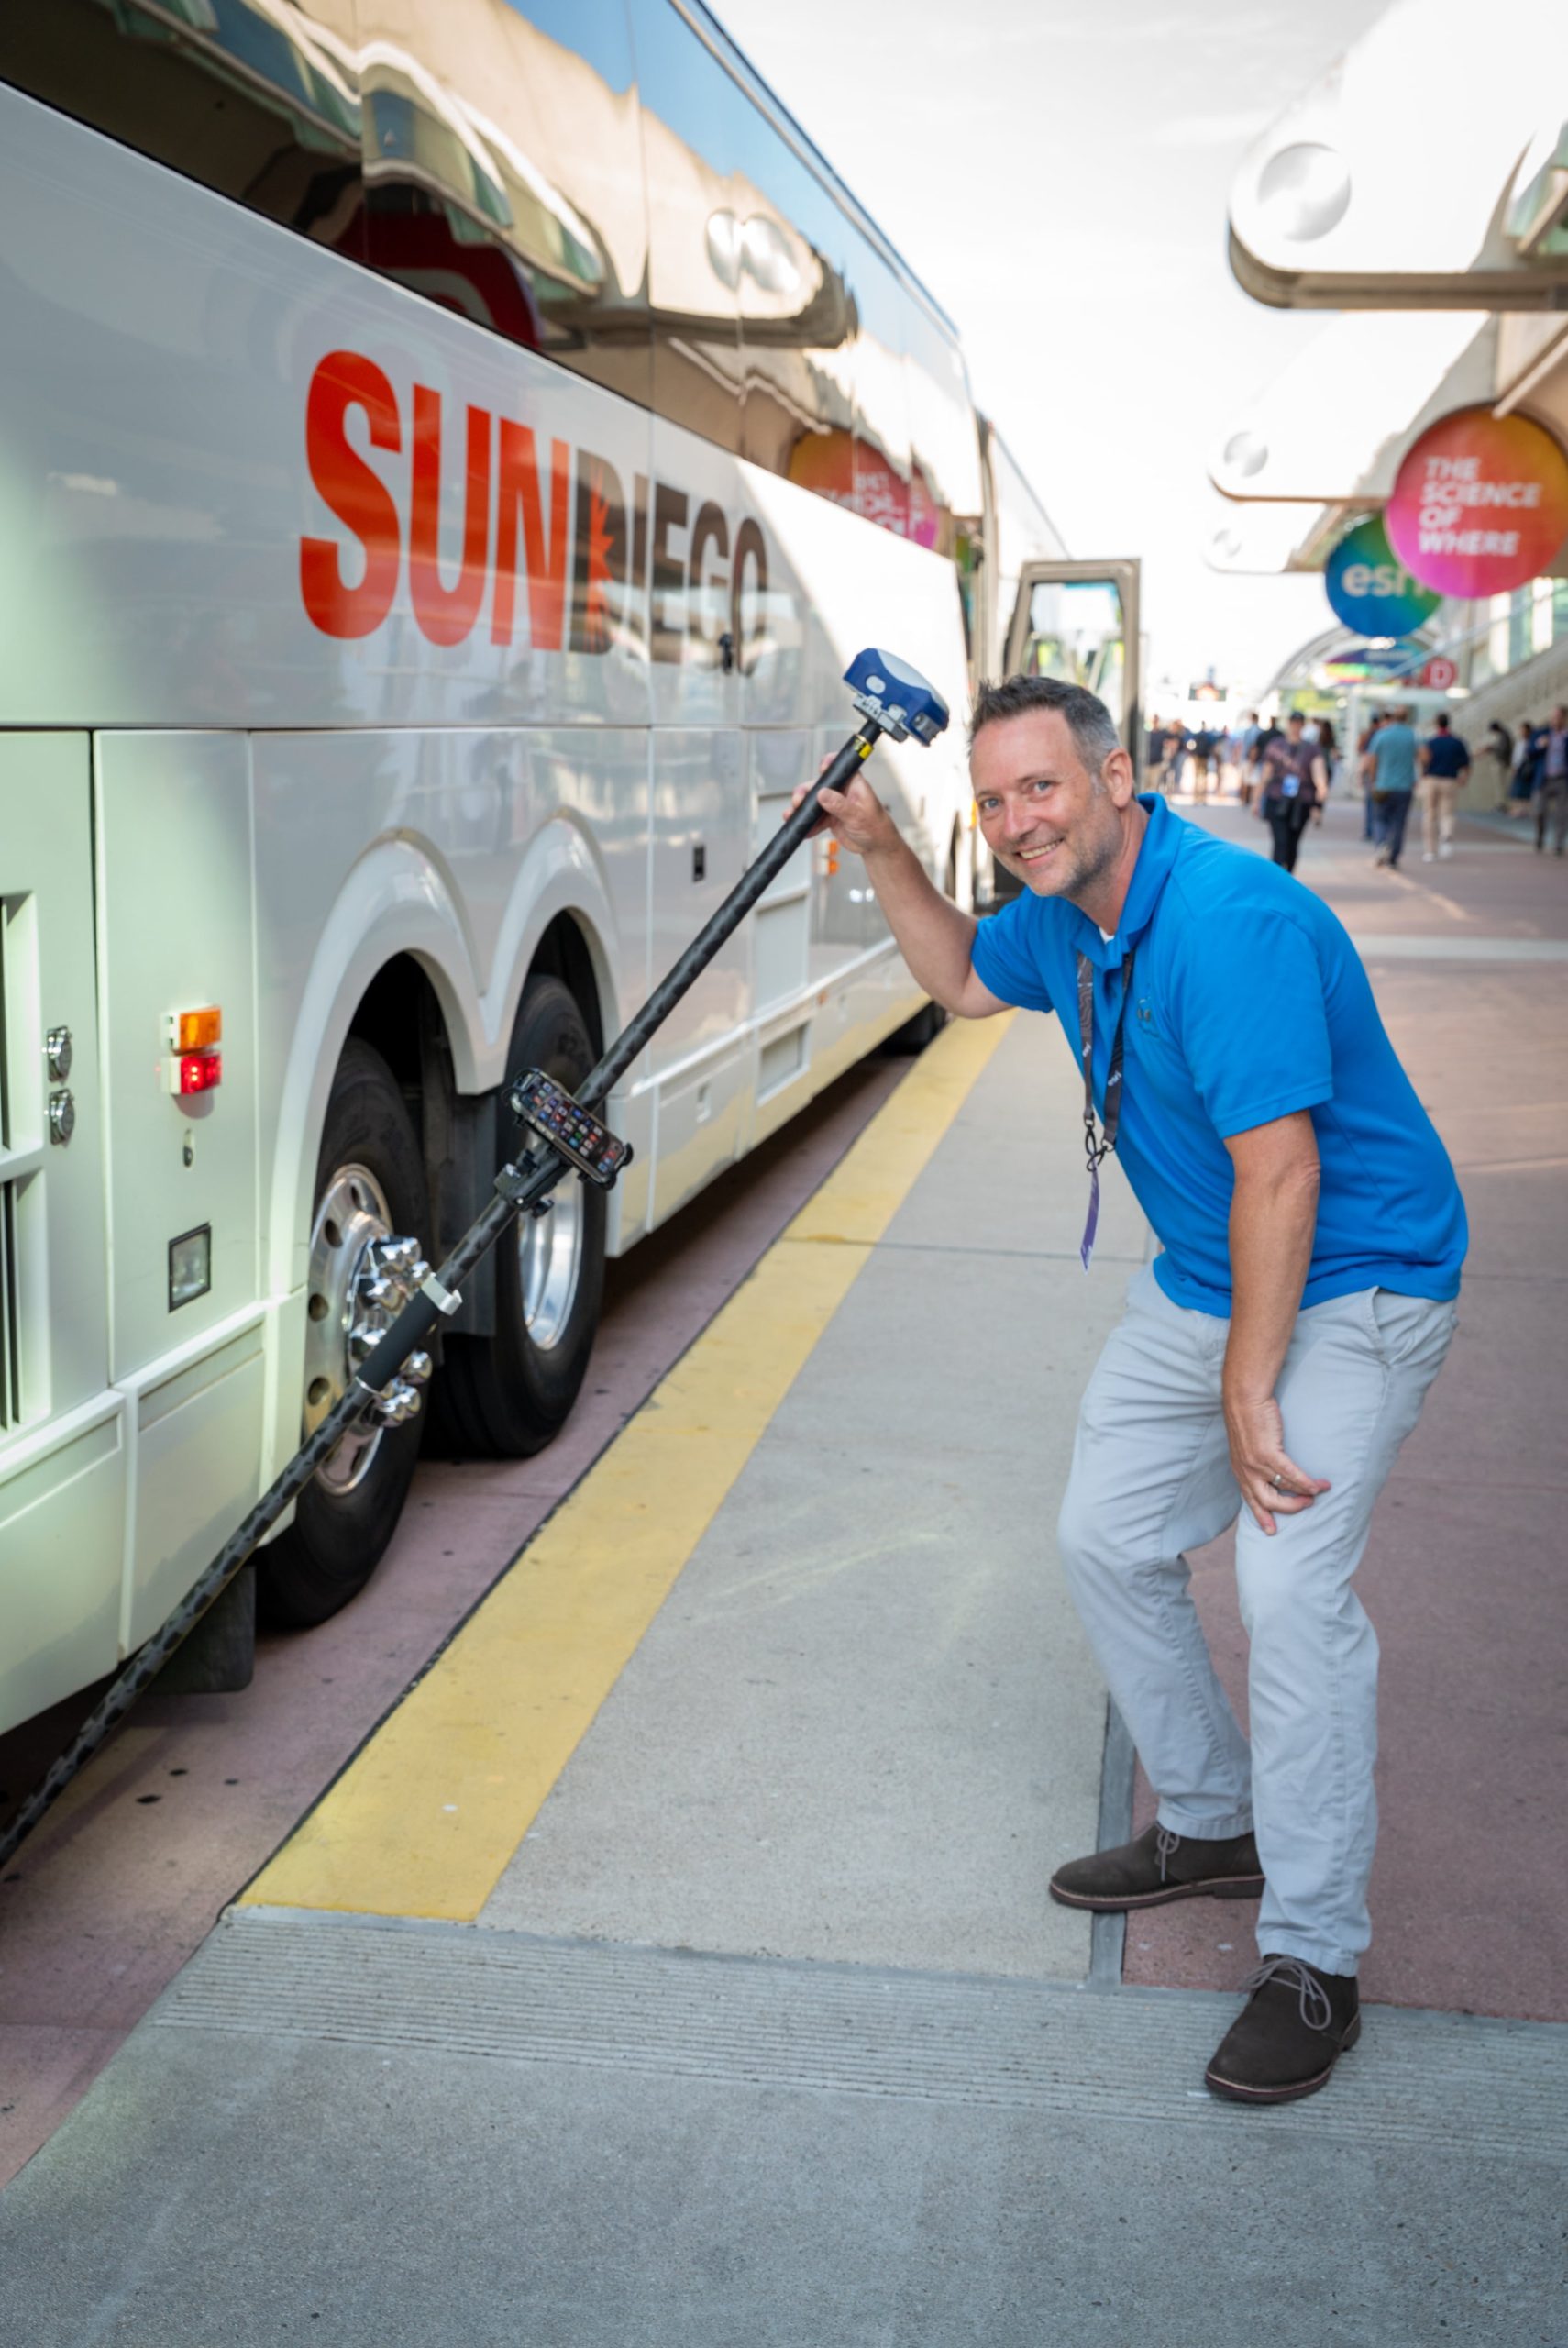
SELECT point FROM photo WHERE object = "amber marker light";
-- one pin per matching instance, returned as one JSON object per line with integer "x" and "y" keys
{"x": 195, "y": 1031}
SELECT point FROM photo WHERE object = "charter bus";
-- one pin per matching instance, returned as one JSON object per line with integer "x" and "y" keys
{"x": 448, "y": 454}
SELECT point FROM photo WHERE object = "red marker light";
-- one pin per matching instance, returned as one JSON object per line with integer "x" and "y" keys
{"x": 198, "y": 1072}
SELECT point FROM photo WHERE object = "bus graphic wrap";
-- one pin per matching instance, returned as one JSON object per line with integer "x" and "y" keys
{"x": 349, "y": 587}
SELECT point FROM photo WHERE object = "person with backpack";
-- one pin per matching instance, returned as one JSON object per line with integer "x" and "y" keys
{"x": 1295, "y": 782}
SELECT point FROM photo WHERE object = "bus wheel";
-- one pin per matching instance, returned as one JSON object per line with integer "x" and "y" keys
{"x": 507, "y": 1395}
{"x": 370, "y": 1207}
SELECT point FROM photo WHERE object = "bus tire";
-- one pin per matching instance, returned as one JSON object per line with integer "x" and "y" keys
{"x": 506, "y": 1396}
{"x": 369, "y": 1184}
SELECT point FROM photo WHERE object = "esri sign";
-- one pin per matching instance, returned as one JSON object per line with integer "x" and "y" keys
{"x": 1369, "y": 588}
{"x": 1480, "y": 502}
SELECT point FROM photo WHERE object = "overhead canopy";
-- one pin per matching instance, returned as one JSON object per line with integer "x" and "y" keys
{"x": 1335, "y": 422}
{"x": 1258, "y": 541}
{"x": 1427, "y": 169}
{"x": 1322, "y": 444}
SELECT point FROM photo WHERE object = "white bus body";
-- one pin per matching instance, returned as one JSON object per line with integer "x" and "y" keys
{"x": 357, "y": 664}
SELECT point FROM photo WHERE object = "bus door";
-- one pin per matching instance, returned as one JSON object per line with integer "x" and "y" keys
{"x": 1078, "y": 622}
{"x": 61, "y": 1442}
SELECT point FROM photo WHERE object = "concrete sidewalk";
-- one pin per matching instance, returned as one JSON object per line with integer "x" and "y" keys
{"x": 760, "y": 2025}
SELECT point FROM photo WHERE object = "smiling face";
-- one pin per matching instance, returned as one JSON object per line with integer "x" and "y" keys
{"x": 1059, "y": 829}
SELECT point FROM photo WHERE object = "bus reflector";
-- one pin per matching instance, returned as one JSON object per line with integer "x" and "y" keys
{"x": 195, "y": 1073}
{"x": 195, "y": 1031}
{"x": 190, "y": 1265}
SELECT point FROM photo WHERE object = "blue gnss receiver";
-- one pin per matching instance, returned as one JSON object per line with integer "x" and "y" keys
{"x": 897, "y": 697}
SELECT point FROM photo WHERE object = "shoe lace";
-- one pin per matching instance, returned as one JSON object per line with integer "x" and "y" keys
{"x": 1317, "y": 2012}
{"x": 1165, "y": 1843}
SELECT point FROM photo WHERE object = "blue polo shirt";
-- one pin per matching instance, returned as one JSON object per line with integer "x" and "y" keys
{"x": 1447, "y": 756}
{"x": 1249, "y": 1002}
{"x": 1394, "y": 757}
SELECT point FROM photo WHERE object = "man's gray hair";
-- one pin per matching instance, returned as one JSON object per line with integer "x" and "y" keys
{"x": 1089, "y": 722}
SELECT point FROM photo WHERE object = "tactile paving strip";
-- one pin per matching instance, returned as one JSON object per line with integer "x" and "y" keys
{"x": 1479, "y": 2087}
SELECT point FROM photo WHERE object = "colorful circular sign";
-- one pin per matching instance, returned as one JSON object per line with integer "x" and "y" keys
{"x": 1480, "y": 504}
{"x": 1371, "y": 590}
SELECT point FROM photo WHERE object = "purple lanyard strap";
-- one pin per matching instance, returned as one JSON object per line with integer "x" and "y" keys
{"x": 1099, "y": 1147}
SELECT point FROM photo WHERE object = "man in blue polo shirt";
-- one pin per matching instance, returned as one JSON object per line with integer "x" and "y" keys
{"x": 1271, "y": 1360}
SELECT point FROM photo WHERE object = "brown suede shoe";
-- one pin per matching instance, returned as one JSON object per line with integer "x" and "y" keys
{"x": 1287, "y": 2039}
{"x": 1159, "y": 1867}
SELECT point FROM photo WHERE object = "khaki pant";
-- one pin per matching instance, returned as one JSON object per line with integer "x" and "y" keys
{"x": 1151, "y": 1481}
{"x": 1439, "y": 794}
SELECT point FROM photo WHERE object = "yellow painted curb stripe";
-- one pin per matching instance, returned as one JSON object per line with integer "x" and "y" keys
{"x": 426, "y": 1818}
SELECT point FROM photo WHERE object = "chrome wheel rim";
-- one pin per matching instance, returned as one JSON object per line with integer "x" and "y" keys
{"x": 352, "y": 1216}
{"x": 550, "y": 1259}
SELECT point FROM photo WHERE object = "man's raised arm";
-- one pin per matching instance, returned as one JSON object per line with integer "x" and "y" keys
{"x": 935, "y": 938}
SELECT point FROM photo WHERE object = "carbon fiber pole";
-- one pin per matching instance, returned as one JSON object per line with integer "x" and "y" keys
{"x": 519, "y": 1189}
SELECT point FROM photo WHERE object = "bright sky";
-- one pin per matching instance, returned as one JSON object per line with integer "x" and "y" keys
{"x": 1057, "y": 172}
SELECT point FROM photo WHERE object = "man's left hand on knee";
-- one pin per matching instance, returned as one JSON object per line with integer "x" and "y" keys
{"x": 1269, "y": 1480}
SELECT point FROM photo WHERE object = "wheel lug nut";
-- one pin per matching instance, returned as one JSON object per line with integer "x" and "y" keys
{"x": 417, "y": 1368}
{"x": 397, "y": 1405}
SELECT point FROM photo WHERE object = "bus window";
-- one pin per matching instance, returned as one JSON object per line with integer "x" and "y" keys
{"x": 944, "y": 450}
{"x": 262, "y": 108}
{"x": 885, "y": 489}
{"x": 1074, "y": 634}
{"x": 797, "y": 324}
{"x": 697, "y": 132}
{"x": 503, "y": 173}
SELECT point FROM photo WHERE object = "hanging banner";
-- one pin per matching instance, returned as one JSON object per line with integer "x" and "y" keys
{"x": 1480, "y": 504}
{"x": 1370, "y": 589}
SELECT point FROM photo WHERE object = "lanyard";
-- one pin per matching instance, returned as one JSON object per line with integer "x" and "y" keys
{"x": 1096, "y": 1149}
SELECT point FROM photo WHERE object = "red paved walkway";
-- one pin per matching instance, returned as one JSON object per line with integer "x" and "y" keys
{"x": 1466, "y": 1573}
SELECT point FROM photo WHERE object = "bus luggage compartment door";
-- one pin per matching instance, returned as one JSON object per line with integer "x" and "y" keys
{"x": 61, "y": 1444}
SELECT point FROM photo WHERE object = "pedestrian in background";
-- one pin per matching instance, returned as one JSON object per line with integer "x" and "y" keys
{"x": 1328, "y": 751}
{"x": 1521, "y": 770}
{"x": 1177, "y": 744}
{"x": 1203, "y": 743}
{"x": 1368, "y": 770}
{"x": 1498, "y": 748}
{"x": 1445, "y": 771}
{"x": 1252, "y": 735}
{"x": 1393, "y": 757}
{"x": 1155, "y": 755}
{"x": 1295, "y": 782}
{"x": 1551, "y": 781}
